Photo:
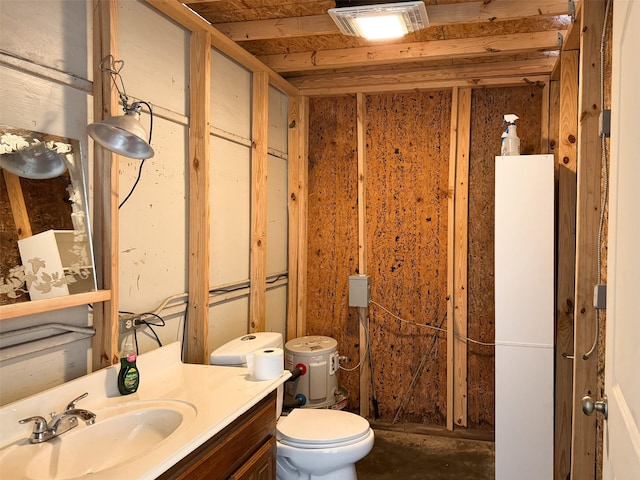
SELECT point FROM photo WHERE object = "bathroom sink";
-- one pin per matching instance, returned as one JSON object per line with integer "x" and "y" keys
{"x": 120, "y": 434}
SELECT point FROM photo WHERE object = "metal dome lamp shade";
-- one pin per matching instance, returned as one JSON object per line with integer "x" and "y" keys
{"x": 123, "y": 134}
{"x": 34, "y": 160}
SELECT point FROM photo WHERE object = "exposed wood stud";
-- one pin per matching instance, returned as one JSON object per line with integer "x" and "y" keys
{"x": 451, "y": 251}
{"x": 259, "y": 161}
{"x": 554, "y": 118}
{"x": 587, "y": 219}
{"x": 363, "y": 313}
{"x": 18, "y": 207}
{"x": 544, "y": 133}
{"x": 571, "y": 40}
{"x": 197, "y": 330}
{"x": 460, "y": 256}
{"x": 105, "y": 189}
{"x": 566, "y": 252}
{"x": 297, "y": 164}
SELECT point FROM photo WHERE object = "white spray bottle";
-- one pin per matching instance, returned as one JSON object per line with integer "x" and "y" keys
{"x": 510, "y": 139}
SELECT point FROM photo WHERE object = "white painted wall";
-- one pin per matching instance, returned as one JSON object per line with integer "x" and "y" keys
{"x": 154, "y": 221}
{"x": 230, "y": 173}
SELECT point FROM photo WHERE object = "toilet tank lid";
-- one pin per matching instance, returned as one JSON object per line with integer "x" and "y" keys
{"x": 235, "y": 351}
{"x": 317, "y": 426}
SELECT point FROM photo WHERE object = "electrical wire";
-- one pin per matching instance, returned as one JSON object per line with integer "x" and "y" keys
{"x": 366, "y": 350}
{"x": 433, "y": 327}
{"x": 134, "y": 184}
{"x": 416, "y": 374}
{"x": 149, "y": 325}
{"x": 605, "y": 182}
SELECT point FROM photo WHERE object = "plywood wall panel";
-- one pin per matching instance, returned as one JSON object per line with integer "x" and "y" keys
{"x": 407, "y": 139}
{"x": 487, "y": 108}
{"x": 333, "y": 227}
{"x": 407, "y": 177}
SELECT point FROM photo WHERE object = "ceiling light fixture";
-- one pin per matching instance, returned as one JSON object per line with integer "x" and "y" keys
{"x": 123, "y": 134}
{"x": 375, "y": 21}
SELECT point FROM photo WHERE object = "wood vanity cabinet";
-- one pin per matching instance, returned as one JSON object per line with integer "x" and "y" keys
{"x": 245, "y": 450}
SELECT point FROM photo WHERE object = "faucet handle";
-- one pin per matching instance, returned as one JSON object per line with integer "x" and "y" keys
{"x": 40, "y": 425}
{"x": 72, "y": 403}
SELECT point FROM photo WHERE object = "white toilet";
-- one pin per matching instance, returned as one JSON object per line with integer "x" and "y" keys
{"x": 311, "y": 443}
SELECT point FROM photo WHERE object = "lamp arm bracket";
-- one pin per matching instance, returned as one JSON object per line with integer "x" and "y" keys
{"x": 113, "y": 67}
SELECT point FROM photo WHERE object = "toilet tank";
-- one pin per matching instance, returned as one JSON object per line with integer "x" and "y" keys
{"x": 234, "y": 353}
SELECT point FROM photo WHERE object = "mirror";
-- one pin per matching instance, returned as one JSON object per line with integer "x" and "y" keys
{"x": 45, "y": 241}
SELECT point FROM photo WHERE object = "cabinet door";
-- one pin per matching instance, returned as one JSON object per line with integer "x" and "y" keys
{"x": 261, "y": 466}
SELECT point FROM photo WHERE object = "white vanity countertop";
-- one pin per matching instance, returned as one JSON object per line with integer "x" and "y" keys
{"x": 218, "y": 395}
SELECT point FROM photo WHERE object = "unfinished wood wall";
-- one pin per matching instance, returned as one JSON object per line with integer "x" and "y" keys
{"x": 407, "y": 180}
{"x": 333, "y": 227}
{"x": 407, "y": 166}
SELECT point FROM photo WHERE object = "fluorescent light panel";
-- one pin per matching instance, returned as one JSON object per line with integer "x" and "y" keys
{"x": 369, "y": 21}
{"x": 381, "y": 26}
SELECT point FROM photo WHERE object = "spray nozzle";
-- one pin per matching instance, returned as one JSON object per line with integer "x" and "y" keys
{"x": 510, "y": 118}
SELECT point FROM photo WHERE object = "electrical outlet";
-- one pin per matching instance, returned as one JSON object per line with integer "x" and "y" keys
{"x": 128, "y": 323}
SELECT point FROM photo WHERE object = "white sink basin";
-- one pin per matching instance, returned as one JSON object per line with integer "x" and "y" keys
{"x": 176, "y": 409}
{"x": 119, "y": 434}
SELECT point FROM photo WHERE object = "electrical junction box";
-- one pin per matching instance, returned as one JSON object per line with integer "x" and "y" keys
{"x": 359, "y": 291}
{"x": 600, "y": 297}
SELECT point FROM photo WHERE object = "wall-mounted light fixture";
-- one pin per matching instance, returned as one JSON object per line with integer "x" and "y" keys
{"x": 123, "y": 134}
{"x": 376, "y": 20}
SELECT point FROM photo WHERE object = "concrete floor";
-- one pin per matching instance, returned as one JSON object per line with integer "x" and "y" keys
{"x": 408, "y": 456}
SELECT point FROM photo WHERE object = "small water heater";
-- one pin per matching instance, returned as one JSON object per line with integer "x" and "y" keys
{"x": 317, "y": 359}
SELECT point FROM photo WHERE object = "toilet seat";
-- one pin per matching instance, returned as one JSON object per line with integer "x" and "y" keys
{"x": 321, "y": 428}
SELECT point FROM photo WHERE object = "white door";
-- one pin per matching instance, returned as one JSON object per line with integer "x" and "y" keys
{"x": 622, "y": 379}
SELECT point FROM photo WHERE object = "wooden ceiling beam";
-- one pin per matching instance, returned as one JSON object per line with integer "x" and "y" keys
{"x": 464, "y": 75}
{"x": 410, "y": 52}
{"x": 448, "y": 14}
{"x": 274, "y": 28}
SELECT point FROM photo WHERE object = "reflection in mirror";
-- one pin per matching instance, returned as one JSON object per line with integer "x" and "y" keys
{"x": 44, "y": 223}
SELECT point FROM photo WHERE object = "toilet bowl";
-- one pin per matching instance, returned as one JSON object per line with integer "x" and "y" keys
{"x": 312, "y": 444}
{"x": 321, "y": 444}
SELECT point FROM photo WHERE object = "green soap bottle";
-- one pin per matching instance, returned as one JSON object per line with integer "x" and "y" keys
{"x": 129, "y": 376}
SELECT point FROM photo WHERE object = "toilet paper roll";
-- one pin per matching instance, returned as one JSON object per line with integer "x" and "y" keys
{"x": 266, "y": 363}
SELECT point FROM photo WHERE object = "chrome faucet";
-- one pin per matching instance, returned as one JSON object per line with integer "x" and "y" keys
{"x": 63, "y": 422}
